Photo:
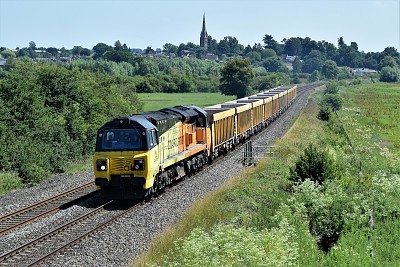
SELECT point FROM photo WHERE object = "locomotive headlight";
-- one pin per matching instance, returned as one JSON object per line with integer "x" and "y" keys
{"x": 138, "y": 164}
{"x": 101, "y": 165}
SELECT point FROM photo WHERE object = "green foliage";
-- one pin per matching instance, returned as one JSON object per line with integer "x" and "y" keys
{"x": 9, "y": 181}
{"x": 318, "y": 166}
{"x": 313, "y": 61}
{"x": 315, "y": 76}
{"x": 49, "y": 116}
{"x": 272, "y": 80}
{"x": 330, "y": 70}
{"x": 389, "y": 74}
{"x": 236, "y": 77}
{"x": 344, "y": 73}
{"x": 326, "y": 208}
{"x": 325, "y": 113}
{"x": 331, "y": 88}
{"x": 274, "y": 64}
{"x": 227, "y": 245}
{"x": 334, "y": 101}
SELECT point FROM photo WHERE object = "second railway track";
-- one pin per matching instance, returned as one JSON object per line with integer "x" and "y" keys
{"x": 43, "y": 247}
{"x": 38, "y": 210}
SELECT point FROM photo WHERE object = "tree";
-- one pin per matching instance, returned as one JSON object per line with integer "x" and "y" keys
{"x": 85, "y": 52}
{"x": 308, "y": 45}
{"x": 254, "y": 56}
{"x": 268, "y": 52}
{"x": 236, "y": 77}
{"x": 32, "y": 45}
{"x": 354, "y": 45}
{"x": 170, "y": 48}
{"x": 314, "y": 76}
{"x": 64, "y": 52}
{"x": 341, "y": 43}
{"x": 53, "y": 51}
{"x": 100, "y": 49}
{"x": 118, "y": 56}
{"x": 270, "y": 42}
{"x": 327, "y": 48}
{"x": 229, "y": 46}
{"x": 297, "y": 65}
{"x": 7, "y": 54}
{"x": 274, "y": 64}
{"x": 117, "y": 45}
{"x": 76, "y": 50}
{"x": 313, "y": 61}
{"x": 293, "y": 46}
{"x": 348, "y": 56}
{"x": 330, "y": 70}
{"x": 149, "y": 50}
{"x": 333, "y": 101}
{"x": 388, "y": 61}
{"x": 389, "y": 74}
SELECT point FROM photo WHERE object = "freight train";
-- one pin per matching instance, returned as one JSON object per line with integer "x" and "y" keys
{"x": 137, "y": 156}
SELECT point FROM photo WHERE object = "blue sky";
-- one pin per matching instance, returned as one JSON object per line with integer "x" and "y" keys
{"x": 373, "y": 24}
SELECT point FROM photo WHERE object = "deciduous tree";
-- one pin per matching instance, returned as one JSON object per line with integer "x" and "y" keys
{"x": 236, "y": 77}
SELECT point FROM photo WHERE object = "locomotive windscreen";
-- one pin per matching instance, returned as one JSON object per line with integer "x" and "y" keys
{"x": 115, "y": 139}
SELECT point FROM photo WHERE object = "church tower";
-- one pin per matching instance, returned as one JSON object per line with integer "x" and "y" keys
{"x": 203, "y": 34}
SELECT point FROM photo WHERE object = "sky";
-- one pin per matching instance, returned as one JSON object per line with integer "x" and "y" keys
{"x": 372, "y": 24}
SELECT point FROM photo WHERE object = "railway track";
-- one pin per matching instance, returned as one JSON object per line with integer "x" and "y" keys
{"x": 67, "y": 235}
{"x": 29, "y": 214}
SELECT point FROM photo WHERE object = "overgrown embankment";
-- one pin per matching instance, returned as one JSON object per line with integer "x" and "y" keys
{"x": 313, "y": 206}
{"x": 49, "y": 116}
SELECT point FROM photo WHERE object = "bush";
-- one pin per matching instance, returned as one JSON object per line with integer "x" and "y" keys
{"x": 318, "y": 166}
{"x": 324, "y": 113}
{"x": 331, "y": 88}
{"x": 333, "y": 101}
{"x": 389, "y": 74}
{"x": 227, "y": 245}
{"x": 326, "y": 211}
{"x": 9, "y": 181}
{"x": 49, "y": 116}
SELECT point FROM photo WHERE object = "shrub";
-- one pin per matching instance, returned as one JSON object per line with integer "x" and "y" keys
{"x": 331, "y": 88}
{"x": 333, "y": 101}
{"x": 390, "y": 74}
{"x": 326, "y": 211}
{"x": 227, "y": 245}
{"x": 324, "y": 113}
{"x": 316, "y": 165}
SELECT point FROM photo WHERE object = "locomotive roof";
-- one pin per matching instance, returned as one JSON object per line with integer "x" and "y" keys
{"x": 159, "y": 115}
{"x": 187, "y": 113}
{"x": 129, "y": 121}
{"x": 143, "y": 121}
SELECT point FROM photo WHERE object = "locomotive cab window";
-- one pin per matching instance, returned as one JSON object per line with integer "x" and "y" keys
{"x": 152, "y": 138}
{"x": 120, "y": 139}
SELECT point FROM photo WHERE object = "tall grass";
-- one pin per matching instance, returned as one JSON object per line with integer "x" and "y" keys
{"x": 9, "y": 181}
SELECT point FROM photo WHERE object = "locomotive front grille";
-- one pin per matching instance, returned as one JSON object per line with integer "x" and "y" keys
{"x": 119, "y": 164}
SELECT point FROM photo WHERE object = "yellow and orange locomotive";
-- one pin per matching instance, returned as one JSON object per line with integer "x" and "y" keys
{"x": 137, "y": 156}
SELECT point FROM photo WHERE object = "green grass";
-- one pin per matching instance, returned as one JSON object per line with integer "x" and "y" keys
{"x": 9, "y": 181}
{"x": 155, "y": 101}
{"x": 371, "y": 118}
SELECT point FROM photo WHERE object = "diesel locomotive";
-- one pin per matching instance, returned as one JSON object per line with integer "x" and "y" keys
{"x": 137, "y": 156}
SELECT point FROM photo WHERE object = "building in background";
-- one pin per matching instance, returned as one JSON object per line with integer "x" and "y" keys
{"x": 204, "y": 35}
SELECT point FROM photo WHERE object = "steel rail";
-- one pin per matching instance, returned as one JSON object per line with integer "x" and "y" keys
{"x": 29, "y": 214}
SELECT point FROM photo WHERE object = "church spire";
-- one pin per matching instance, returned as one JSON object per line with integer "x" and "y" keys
{"x": 203, "y": 34}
